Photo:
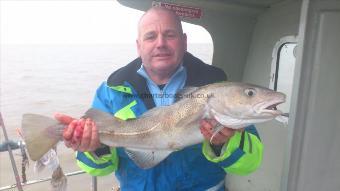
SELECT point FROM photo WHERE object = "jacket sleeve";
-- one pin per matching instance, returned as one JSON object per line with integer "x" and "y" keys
{"x": 98, "y": 165}
{"x": 241, "y": 155}
{"x": 104, "y": 160}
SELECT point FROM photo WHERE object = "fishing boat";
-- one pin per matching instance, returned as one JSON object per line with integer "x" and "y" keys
{"x": 290, "y": 46}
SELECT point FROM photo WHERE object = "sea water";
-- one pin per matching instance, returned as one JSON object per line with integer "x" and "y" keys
{"x": 46, "y": 79}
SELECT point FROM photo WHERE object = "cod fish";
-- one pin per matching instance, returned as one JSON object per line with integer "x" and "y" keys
{"x": 150, "y": 138}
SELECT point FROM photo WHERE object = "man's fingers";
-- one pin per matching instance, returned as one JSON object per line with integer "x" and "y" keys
{"x": 78, "y": 132}
{"x": 64, "y": 119}
{"x": 86, "y": 137}
{"x": 219, "y": 139}
{"x": 206, "y": 133}
{"x": 81, "y": 135}
{"x": 75, "y": 144}
{"x": 207, "y": 130}
{"x": 68, "y": 132}
{"x": 94, "y": 139}
{"x": 227, "y": 132}
{"x": 206, "y": 125}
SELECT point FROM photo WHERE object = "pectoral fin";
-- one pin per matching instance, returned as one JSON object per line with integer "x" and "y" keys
{"x": 216, "y": 130}
{"x": 147, "y": 158}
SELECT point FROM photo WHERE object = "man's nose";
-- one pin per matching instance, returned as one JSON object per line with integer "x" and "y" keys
{"x": 161, "y": 41}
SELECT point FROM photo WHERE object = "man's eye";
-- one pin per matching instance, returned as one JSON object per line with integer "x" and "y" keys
{"x": 149, "y": 37}
{"x": 170, "y": 35}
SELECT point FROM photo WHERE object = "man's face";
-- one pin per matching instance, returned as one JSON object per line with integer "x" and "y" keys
{"x": 161, "y": 43}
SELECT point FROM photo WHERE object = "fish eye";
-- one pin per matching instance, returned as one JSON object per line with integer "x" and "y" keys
{"x": 250, "y": 92}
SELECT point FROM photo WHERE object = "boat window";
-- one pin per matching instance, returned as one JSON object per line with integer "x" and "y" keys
{"x": 283, "y": 66}
{"x": 199, "y": 42}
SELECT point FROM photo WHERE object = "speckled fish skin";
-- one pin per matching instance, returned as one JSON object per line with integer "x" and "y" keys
{"x": 168, "y": 128}
{"x": 234, "y": 105}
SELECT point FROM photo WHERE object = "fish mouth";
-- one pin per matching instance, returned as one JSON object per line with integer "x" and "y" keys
{"x": 269, "y": 107}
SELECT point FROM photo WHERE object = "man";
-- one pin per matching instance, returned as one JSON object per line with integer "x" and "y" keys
{"x": 164, "y": 67}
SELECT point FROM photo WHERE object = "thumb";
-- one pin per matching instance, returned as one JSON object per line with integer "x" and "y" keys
{"x": 62, "y": 118}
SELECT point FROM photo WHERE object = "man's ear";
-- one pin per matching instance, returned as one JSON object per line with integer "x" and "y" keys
{"x": 185, "y": 41}
{"x": 138, "y": 46}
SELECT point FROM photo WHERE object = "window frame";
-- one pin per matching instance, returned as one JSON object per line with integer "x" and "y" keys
{"x": 275, "y": 64}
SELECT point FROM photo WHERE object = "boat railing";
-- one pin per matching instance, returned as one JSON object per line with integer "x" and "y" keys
{"x": 8, "y": 146}
{"x": 13, "y": 145}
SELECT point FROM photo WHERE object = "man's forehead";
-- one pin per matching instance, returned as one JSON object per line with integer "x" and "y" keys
{"x": 156, "y": 26}
{"x": 163, "y": 26}
{"x": 155, "y": 19}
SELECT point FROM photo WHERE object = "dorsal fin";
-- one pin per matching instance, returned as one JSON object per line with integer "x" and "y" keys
{"x": 101, "y": 116}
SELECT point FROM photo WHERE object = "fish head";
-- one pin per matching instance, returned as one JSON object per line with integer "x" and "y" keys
{"x": 239, "y": 104}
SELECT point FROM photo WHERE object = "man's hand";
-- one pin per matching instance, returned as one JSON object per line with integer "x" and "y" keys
{"x": 207, "y": 127}
{"x": 80, "y": 134}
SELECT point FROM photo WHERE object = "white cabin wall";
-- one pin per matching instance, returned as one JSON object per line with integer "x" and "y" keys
{"x": 314, "y": 154}
{"x": 231, "y": 39}
{"x": 278, "y": 21}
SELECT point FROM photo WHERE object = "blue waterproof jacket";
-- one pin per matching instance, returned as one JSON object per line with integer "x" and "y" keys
{"x": 125, "y": 95}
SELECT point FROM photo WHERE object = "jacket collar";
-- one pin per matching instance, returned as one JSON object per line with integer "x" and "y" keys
{"x": 198, "y": 74}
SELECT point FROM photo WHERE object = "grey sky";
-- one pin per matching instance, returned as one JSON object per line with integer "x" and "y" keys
{"x": 75, "y": 22}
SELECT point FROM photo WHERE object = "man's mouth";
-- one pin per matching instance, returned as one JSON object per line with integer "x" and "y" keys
{"x": 162, "y": 55}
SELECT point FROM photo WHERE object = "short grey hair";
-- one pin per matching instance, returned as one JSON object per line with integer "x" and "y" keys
{"x": 162, "y": 9}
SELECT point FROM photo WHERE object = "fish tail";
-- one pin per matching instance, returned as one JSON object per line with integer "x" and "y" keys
{"x": 40, "y": 134}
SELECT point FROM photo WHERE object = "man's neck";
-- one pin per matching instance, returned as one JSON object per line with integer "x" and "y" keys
{"x": 157, "y": 77}
{"x": 160, "y": 77}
